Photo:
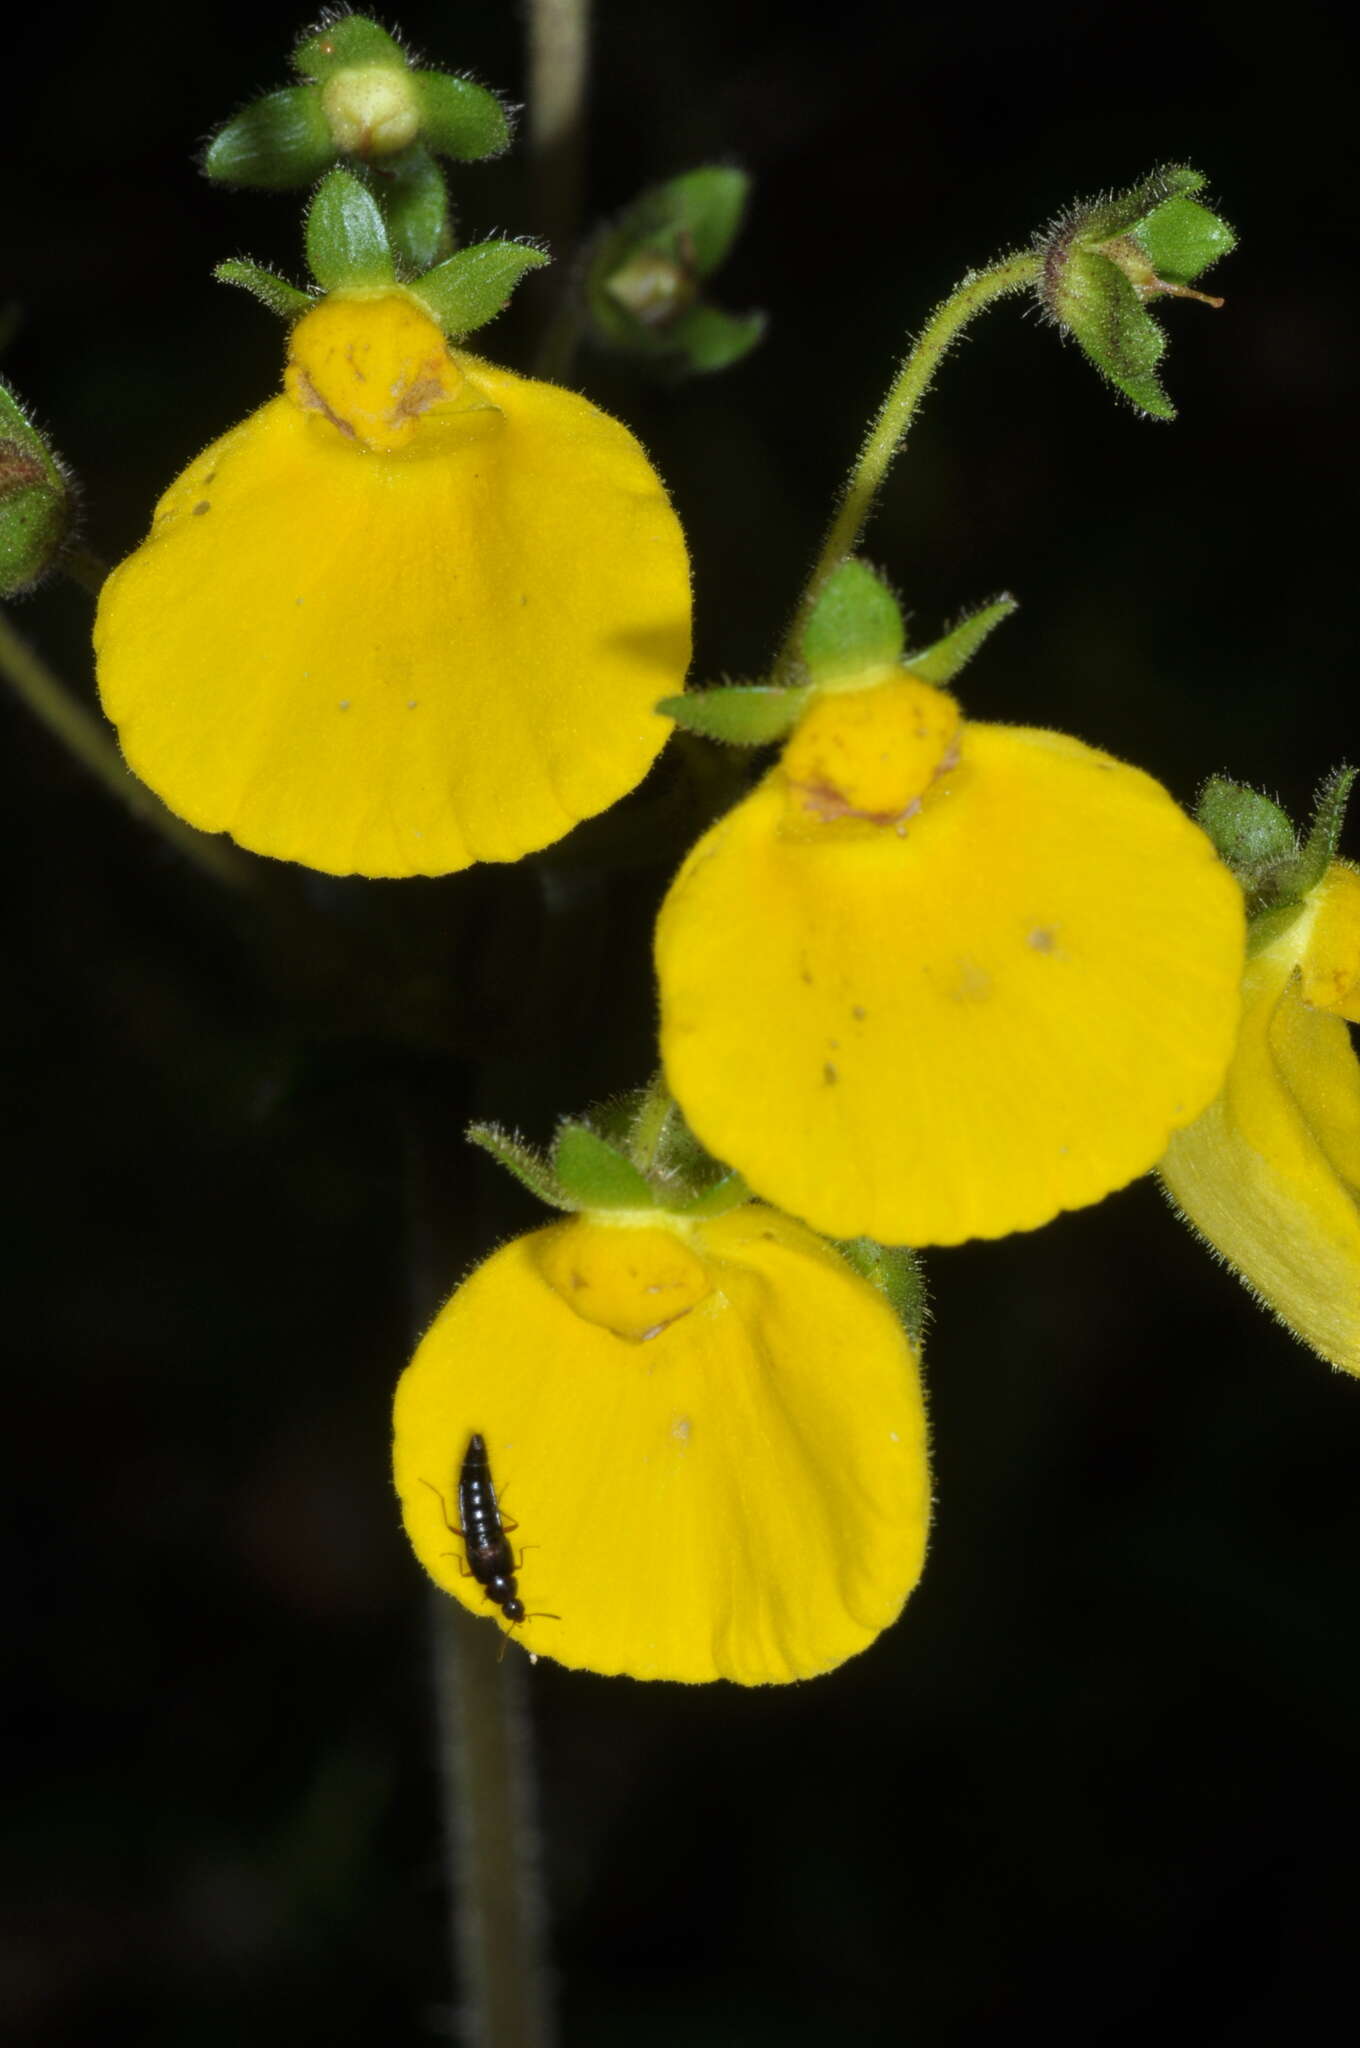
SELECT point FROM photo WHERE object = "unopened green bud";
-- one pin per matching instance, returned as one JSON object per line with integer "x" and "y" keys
{"x": 644, "y": 286}
{"x": 35, "y": 500}
{"x": 371, "y": 109}
{"x": 1104, "y": 261}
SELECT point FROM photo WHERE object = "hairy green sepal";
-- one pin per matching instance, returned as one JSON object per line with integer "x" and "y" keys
{"x": 347, "y": 243}
{"x": 279, "y": 141}
{"x": 741, "y": 714}
{"x": 1104, "y": 261}
{"x": 475, "y": 285}
{"x": 941, "y": 661}
{"x": 35, "y": 501}
{"x": 1256, "y": 839}
{"x": 267, "y": 286}
{"x": 896, "y": 1273}
{"x": 855, "y": 624}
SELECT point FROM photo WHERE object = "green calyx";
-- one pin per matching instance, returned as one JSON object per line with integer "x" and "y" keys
{"x": 35, "y": 500}
{"x": 896, "y": 1272}
{"x": 635, "y": 1152}
{"x": 351, "y": 247}
{"x": 644, "y": 283}
{"x": 360, "y": 99}
{"x": 854, "y": 627}
{"x": 1275, "y": 866}
{"x": 1105, "y": 260}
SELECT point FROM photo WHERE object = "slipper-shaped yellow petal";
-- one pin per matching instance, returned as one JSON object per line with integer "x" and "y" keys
{"x": 711, "y": 1439}
{"x": 1270, "y": 1174}
{"x": 412, "y": 614}
{"x": 931, "y": 982}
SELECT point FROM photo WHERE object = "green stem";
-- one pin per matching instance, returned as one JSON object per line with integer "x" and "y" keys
{"x": 889, "y": 429}
{"x": 83, "y": 735}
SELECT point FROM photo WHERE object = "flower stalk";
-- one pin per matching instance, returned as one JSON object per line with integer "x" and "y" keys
{"x": 915, "y": 375}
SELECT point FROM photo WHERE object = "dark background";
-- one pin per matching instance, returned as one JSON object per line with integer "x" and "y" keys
{"x": 1103, "y": 1775}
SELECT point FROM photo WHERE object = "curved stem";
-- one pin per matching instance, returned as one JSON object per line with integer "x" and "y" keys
{"x": 84, "y": 736}
{"x": 889, "y": 429}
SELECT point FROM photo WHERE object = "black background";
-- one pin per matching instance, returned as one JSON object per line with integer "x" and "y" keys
{"x": 1102, "y": 1776}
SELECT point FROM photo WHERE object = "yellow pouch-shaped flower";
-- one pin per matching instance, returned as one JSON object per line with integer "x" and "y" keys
{"x": 1270, "y": 1174}
{"x": 934, "y": 980}
{"x": 412, "y": 614}
{"x": 710, "y": 1435}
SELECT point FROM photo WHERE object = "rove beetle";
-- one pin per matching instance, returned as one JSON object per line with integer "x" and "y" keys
{"x": 490, "y": 1559}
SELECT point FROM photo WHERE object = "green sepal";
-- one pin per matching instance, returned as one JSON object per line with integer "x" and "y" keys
{"x": 1181, "y": 238}
{"x": 1251, "y": 834}
{"x": 741, "y": 714}
{"x": 1318, "y": 851}
{"x": 267, "y": 286}
{"x": 728, "y": 1191}
{"x": 855, "y": 624}
{"x": 35, "y": 499}
{"x": 353, "y": 40}
{"x": 897, "y": 1274}
{"x": 941, "y": 661}
{"x": 476, "y": 284}
{"x": 414, "y": 199}
{"x": 1101, "y": 309}
{"x": 1119, "y": 213}
{"x": 458, "y": 118}
{"x": 346, "y": 240}
{"x": 593, "y": 1174}
{"x": 1104, "y": 260}
{"x": 279, "y": 141}
{"x": 706, "y": 339}
{"x": 1265, "y": 926}
{"x": 1255, "y": 838}
{"x": 528, "y": 1166}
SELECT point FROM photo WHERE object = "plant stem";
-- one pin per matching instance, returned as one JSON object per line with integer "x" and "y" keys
{"x": 483, "y": 1732}
{"x": 889, "y": 429}
{"x": 84, "y": 567}
{"x": 559, "y": 66}
{"x": 490, "y": 1837}
{"x": 83, "y": 735}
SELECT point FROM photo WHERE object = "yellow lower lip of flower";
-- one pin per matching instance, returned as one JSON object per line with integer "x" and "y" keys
{"x": 398, "y": 660}
{"x": 742, "y": 1495}
{"x": 961, "y": 1025}
{"x": 1270, "y": 1173}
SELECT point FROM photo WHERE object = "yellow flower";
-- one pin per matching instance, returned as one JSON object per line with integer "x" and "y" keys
{"x": 1270, "y": 1174}
{"x": 413, "y": 613}
{"x": 935, "y": 980}
{"x": 710, "y": 1434}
